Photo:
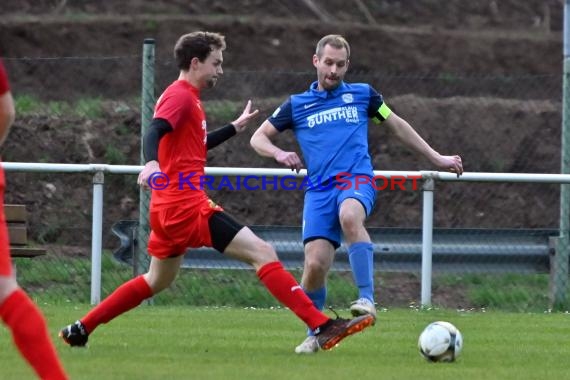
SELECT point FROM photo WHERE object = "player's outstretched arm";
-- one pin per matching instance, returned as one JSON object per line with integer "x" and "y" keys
{"x": 226, "y": 132}
{"x": 410, "y": 138}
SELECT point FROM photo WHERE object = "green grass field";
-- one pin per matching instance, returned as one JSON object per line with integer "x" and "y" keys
{"x": 160, "y": 342}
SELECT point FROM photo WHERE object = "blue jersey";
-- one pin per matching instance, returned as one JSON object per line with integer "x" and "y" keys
{"x": 332, "y": 127}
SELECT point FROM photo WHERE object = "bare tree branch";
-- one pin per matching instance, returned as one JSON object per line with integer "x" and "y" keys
{"x": 364, "y": 9}
{"x": 319, "y": 12}
{"x": 59, "y": 7}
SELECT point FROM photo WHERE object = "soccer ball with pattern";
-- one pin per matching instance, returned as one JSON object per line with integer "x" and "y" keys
{"x": 440, "y": 342}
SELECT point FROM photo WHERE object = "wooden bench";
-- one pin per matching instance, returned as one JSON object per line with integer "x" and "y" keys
{"x": 17, "y": 218}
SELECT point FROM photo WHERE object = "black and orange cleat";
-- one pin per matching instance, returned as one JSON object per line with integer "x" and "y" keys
{"x": 335, "y": 330}
{"x": 75, "y": 334}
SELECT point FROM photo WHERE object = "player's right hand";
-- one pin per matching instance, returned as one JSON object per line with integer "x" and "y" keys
{"x": 289, "y": 159}
{"x": 149, "y": 168}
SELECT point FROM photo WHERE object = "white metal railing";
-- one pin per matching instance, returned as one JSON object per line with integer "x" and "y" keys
{"x": 428, "y": 178}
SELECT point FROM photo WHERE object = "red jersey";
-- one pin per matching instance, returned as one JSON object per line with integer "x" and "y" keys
{"x": 4, "y": 85}
{"x": 182, "y": 152}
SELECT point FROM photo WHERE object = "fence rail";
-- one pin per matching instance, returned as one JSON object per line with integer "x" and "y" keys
{"x": 458, "y": 250}
{"x": 429, "y": 245}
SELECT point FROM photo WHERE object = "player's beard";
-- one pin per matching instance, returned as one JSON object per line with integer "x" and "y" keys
{"x": 210, "y": 83}
{"x": 329, "y": 81}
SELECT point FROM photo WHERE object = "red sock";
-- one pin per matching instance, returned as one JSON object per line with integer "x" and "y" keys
{"x": 124, "y": 298}
{"x": 30, "y": 335}
{"x": 287, "y": 290}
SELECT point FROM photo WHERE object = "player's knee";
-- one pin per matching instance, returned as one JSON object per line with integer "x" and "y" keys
{"x": 315, "y": 268}
{"x": 158, "y": 283}
{"x": 350, "y": 223}
{"x": 8, "y": 285}
{"x": 263, "y": 253}
{"x": 267, "y": 251}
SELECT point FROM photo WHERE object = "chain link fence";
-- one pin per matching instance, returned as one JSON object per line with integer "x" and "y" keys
{"x": 88, "y": 110}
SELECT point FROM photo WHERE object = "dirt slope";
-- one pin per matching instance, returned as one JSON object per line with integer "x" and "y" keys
{"x": 269, "y": 46}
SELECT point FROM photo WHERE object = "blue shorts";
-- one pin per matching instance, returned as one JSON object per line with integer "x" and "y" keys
{"x": 322, "y": 207}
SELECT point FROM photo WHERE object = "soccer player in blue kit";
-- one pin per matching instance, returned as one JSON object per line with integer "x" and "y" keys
{"x": 330, "y": 122}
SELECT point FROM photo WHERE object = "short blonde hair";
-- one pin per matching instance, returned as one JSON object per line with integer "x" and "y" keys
{"x": 335, "y": 40}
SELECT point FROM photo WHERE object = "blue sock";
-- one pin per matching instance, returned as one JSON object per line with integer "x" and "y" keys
{"x": 361, "y": 257}
{"x": 318, "y": 297}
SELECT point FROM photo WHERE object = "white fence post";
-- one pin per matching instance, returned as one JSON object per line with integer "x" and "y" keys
{"x": 427, "y": 238}
{"x": 97, "y": 237}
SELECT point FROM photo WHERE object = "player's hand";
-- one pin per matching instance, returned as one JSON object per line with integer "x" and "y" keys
{"x": 289, "y": 159}
{"x": 149, "y": 169}
{"x": 451, "y": 163}
{"x": 247, "y": 115}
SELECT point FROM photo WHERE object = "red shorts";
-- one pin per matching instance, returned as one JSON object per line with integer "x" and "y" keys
{"x": 174, "y": 229}
{"x": 5, "y": 259}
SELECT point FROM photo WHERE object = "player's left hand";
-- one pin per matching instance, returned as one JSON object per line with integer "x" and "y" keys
{"x": 241, "y": 122}
{"x": 451, "y": 163}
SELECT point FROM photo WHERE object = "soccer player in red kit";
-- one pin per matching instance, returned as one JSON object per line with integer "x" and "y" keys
{"x": 182, "y": 215}
{"x": 17, "y": 310}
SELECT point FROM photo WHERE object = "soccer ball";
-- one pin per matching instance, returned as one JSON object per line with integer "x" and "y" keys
{"x": 440, "y": 342}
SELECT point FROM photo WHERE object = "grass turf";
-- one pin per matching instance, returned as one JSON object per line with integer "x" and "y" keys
{"x": 157, "y": 342}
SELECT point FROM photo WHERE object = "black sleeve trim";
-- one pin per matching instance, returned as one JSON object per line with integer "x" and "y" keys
{"x": 157, "y": 129}
{"x": 220, "y": 135}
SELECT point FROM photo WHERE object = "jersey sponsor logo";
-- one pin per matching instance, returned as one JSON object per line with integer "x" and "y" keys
{"x": 346, "y": 114}
{"x": 307, "y": 106}
{"x": 347, "y": 98}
